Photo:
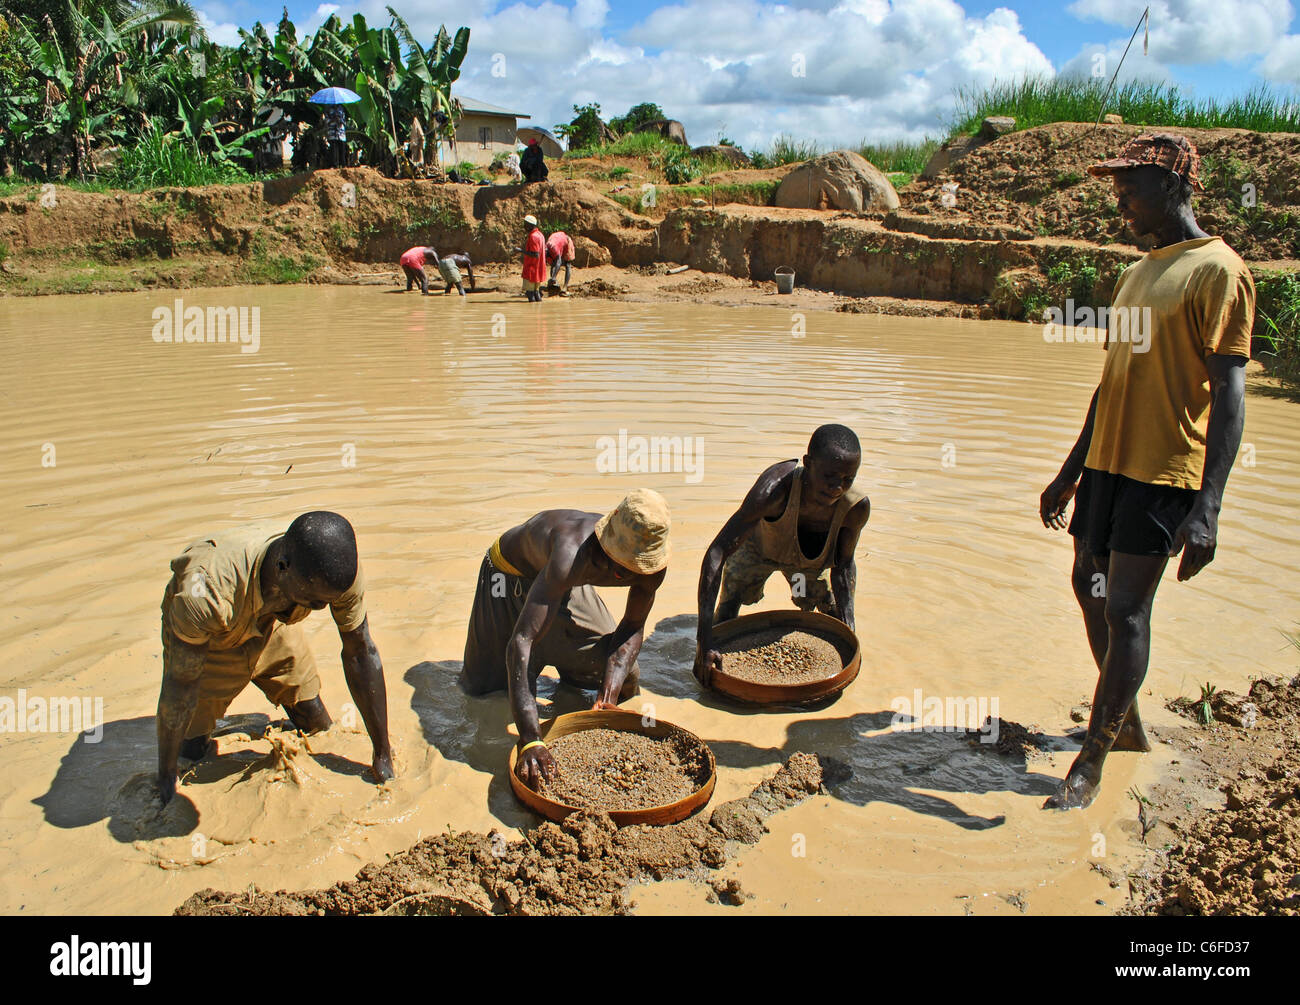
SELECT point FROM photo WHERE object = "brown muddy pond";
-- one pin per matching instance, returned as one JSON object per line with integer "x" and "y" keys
{"x": 434, "y": 424}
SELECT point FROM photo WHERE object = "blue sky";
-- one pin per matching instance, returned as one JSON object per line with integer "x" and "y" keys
{"x": 834, "y": 71}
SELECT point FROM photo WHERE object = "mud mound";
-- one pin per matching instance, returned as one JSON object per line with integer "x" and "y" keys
{"x": 599, "y": 288}
{"x": 1036, "y": 180}
{"x": 1013, "y": 739}
{"x": 580, "y": 866}
{"x": 1244, "y": 858}
{"x": 305, "y": 221}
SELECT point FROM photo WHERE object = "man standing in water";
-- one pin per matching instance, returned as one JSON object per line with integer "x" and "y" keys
{"x": 1161, "y": 434}
{"x": 801, "y": 519}
{"x": 230, "y": 615}
{"x": 536, "y": 606}
{"x": 534, "y": 250}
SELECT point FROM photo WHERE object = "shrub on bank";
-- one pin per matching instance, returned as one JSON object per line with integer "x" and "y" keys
{"x": 1277, "y": 325}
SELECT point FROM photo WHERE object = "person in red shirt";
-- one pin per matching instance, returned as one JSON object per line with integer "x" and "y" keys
{"x": 412, "y": 262}
{"x": 534, "y": 260}
{"x": 559, "y": 251}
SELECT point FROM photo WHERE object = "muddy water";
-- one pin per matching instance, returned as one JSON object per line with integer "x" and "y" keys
{"x": 463, "y": 417}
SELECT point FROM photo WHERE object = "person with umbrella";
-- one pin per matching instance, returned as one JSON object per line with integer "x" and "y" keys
{"x": 336, "y": 121}
{"x": 533, "y": 163}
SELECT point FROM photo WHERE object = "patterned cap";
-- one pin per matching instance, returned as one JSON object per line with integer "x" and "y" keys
{"x": 635, "y": 533}
{"x": 1173, "y": 153}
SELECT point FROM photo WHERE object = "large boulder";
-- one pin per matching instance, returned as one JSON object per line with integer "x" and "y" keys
{"x": 841, "y": 179}
{"x": 669, "y": 129}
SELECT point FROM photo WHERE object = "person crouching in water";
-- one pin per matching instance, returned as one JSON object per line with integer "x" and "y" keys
{"x": 412, "y": 263}
{"x": 449, "y": 267}
{"x": 559, "y": 251}
{"x": 801, "y": 519}
{"x": 536, "y": 606}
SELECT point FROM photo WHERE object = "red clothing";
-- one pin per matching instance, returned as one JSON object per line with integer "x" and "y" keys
{"x": 413, "y": 258}
{"x": 559, "y": 245}
{"x": 535, "y": 265}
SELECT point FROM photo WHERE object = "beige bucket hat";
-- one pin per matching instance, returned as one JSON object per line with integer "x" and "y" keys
{"x": 635, "y": 533}
{"x": 530, "y": 220}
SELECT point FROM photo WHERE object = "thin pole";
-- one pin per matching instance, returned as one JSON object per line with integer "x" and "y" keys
{"x": 1102, "y": 111}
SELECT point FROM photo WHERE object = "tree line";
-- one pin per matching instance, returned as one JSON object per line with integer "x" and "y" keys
{"x": 78, "y": 77}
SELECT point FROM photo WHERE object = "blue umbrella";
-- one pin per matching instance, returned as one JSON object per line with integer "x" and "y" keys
{"x": 334, "y": 96}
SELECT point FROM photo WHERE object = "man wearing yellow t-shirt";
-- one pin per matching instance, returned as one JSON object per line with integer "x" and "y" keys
{"x": 230, "y": 617}
{"x": 1161, "y": 434}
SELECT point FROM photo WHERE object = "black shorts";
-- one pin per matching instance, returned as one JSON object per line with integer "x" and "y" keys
{"x": 1115, "y": 513}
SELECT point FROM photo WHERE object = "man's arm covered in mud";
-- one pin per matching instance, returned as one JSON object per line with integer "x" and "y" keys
{"x": 364, "y": 673}
{"x": 182, "y": 669}
{"x": 844, "y": 570}
{"x": 540, "y": 608}
{"x": 628, "y": 637}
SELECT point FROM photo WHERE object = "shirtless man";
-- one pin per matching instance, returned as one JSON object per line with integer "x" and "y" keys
{"x": 801, "y": 519}
{"x": 535, "y": 606}
{"x": 230, "y": 616}
{"x": 449, "y": 267}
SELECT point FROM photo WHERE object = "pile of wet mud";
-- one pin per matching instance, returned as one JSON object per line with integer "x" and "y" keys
{"x": 581, "y": 866}
{"x": 1243, "y": 858}
{"x": 1012, "y": 739}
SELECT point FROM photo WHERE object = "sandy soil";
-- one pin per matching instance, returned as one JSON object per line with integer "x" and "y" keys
{"x": 1224, "y": 825}
{"x": 581, "y": 866}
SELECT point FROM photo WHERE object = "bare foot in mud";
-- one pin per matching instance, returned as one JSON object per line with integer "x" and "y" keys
{"x": 1076, "y": 792}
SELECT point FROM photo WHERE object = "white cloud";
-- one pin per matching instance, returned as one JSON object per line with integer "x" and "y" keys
{"x": 1282, "y": 62}
{"x": 223, "y": 33}
{"x": 1195, "y": 31}
{"x": 872, "y": 68}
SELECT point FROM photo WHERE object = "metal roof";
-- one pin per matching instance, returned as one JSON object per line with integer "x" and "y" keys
{"x": 478, "y": 107}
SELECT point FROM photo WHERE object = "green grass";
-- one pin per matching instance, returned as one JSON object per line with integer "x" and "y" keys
{"x": 758, "y": 193}
{"x": 903, "y": 156}
{"x": 158, "y": 161}
{"x": 785, "y": 150}
{"x": 1277, "y": 324}
{"x": 632, "y": 145}
{"x": 1038, "y": 101}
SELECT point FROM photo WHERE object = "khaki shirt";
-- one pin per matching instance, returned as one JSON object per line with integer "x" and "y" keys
{"x": 1153, "y": 404}
{"x": 215, "y": 596}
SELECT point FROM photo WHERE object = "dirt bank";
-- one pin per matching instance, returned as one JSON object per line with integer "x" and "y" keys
{"x": 1028, "y": 228}
{"x": 1226, "y": 825}
{"x": 581, "y": 866}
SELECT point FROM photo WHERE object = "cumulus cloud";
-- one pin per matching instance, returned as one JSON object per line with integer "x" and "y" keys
{"x": 827, "y": 70}
{"x": 221, "y": 32}
{"x": 1282, "y": 62}
{"x": 1196, "y": 31}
